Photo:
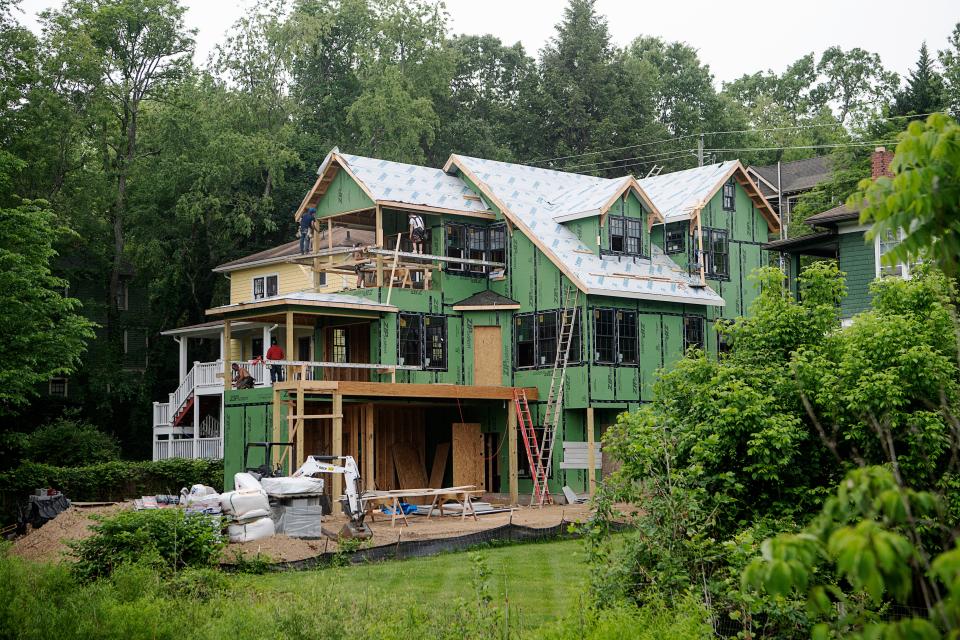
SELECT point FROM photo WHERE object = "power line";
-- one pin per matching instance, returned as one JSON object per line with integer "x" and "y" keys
{"x": 803, "y": 146}
{"x": 601, "y": 162}
{"x": 686, "y": 153}
{"x": 712, "y": 133}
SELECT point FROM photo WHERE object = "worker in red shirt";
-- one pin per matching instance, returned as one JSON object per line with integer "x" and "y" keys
{"x": 275, "y": 353}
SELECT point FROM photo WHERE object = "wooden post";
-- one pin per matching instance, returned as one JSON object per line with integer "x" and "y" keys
{"x": 368, "y": 483}
{"x": 276, "y": 427}
{"x": 591, "y": 455}
{"x": 298, "y": 440}
{"x": 512, "y": 453}
{"x": 379, "y": 228}
{"x": 337, "y": 440}
{"x": 289, "y": 346}
{"x": 227, "y": 377}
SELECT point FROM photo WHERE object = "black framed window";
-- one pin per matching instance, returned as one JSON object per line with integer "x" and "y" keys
{"x": 626, "y": 235}
{"x": 273, "y": 286}
{"x": 693, "y": 327}
{"x": 258, "y": 288}
{"x": 410, "y": 339}
{"x": 456, "y": 246}
{"x": 547, "y": 338}
{"x": 422, "y": 341}
{"x": 256, "y": 347}
{"x": 537, "y": 337}
{"x": 339, "y": 346}
{"x": 435, "y": 347}
{"x": 675, "y": 237}
{"x": 723, "y": 339}
{"x": 627, "y": 337}
{"x": 605, "y": 336}
{"x": 475, "y": 243}
{"x": 716, "y": 249}
{"x": 525, "y": 340}
{"x": 729, "y": 195}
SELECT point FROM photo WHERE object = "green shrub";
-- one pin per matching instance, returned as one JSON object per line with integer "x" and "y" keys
{"x": 165, "y": 538}
{"x": 112, "y": 480}
{"x": 68, "y": 442}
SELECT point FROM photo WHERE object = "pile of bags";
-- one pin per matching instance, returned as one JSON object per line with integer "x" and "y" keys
{"x": 248, "y": 510}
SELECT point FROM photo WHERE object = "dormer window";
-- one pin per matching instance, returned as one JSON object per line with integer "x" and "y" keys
{"x": 729, "y": 195}
{"x": 266, "y": 286}
{"x": 626, "y": 236}
{"x": 675, "y": 238}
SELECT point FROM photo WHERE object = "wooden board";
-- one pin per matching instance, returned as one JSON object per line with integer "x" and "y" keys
{"x": 439, "y": 464}
{"x": 408, "y": 390}
{"x": 410, "y": 469}
{"x": 468, "y": 455}
{"x": 487, "y": 356}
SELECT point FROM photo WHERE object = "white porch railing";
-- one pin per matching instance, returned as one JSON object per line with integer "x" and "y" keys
{"x": 178, "y": 397}
{"x": 161, "y": 414}
{"x": 209, "y": 374}
{"x": 211, "y": 448}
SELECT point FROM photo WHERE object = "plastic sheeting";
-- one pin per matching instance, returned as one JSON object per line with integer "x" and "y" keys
{"x": 300, "y": 522}
{"x": 256, "y": 530}
{"x": 284, "y": 487}
{"x": 245, "y": 482}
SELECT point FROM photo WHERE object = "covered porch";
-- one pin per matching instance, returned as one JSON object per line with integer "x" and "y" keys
{"x": 821, "y": 245}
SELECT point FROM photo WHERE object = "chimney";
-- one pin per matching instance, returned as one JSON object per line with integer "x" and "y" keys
{"x": 880, "y": 163}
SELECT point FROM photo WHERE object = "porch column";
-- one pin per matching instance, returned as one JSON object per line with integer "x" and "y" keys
{"x": 196, "y": 426}
{"x": 368, "y": 479}
{"x": 225, "y": 354}
{"x": 266, "y": 342}
{"x": 591, "y": 454}
{"x": 288, "y": 348}
{"x": 182, "y": 343}
{"x": 337, "y": 479}
{"x": 512, "y": 470}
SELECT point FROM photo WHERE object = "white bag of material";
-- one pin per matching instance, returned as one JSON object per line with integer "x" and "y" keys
{"x": 292, "y": 486}
{"x": 256, "y": 530}
{"x": 245, "y": 482}
{"x": 244, "y": 504}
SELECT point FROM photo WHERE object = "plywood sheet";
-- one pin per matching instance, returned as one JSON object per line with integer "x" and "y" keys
{"x": 468, "y": 455}
{"x": 487, "y": 356}
{"x": 439, "y": 465}
{"x": 410, "y": 469}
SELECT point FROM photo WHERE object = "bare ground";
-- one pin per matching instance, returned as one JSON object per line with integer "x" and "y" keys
{"x": 49, "y": 543}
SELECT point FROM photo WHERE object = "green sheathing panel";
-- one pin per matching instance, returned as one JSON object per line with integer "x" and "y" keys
{"x": 247, "y": 417}
{"x": 858, "y": 262}
{"x": 342, "y": 195}
{"x": 586, "y": 230}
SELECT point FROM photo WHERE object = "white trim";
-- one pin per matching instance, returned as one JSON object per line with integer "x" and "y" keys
{"x": 878, "y": 266}
{"x": 855, "y": 228}
{"x": 265, "y": 276}
{"x": 654, "y": 296}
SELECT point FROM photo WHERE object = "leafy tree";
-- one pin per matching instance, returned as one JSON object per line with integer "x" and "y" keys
{"x": 950, "y": 61}
{"x": 855, "y": 81}
{"x": 137, "y": 48}
{"x": 921, "y": 200}
{"x": 43, "y": 330}
{"x": 924, "y": 92}
{"x": 68, "y": 442}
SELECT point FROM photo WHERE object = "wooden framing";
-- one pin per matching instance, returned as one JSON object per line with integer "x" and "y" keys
{"x": 402, "y": 390}
{"x": 289, "y": 344}
{"x": 393, "y": 204}
{"x": 591, "y": 454}
{"x": 513, "y": 471}
{"x": 337, "y": 480}
{"x": 368, "y": 447}
{"x": 297, "y": 302}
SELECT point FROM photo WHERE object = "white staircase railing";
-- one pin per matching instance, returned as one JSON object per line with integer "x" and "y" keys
{"x": 178, "y": 397}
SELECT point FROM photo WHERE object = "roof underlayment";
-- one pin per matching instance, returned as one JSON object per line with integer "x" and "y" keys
{"x": 540, "y": 200}
{"x": 677, "y": 194}
{"x": 529, "y": 193}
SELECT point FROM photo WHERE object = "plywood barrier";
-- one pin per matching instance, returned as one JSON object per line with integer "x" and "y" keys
{"x": 439, "y": 465}
{"x": 468, "y": 455}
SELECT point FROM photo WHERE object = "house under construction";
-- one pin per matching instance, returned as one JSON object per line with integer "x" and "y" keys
{"x": 541, "y": 307}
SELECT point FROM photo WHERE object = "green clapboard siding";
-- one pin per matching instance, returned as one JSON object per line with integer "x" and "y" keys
{"x": 858, "y": 262}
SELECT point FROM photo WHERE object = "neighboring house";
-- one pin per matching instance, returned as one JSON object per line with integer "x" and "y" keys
{"x": 128, "y": 350}
{"x": 424, "y": 360}
{"x": 783, "y": 183}
{"x": 838, "y": 235}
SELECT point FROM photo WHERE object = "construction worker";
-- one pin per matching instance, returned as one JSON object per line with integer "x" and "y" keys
{"x": 306, "y": 229}
{"x": 418, "y": 232}
{"x": 275, "y": 353}
{"x": 241, "y": 377}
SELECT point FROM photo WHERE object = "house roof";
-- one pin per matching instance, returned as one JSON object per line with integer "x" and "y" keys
{"x": 530, "y": 198}
{"x": 843, "y": 213}
{"x": 308, "y": 299}
{"x": 678, "y": 193}
{"x": 486, "y": 299}
{"x": 397, "y": 182}
{"x": 798, "y": 175}
{"x": 342, "y": 237}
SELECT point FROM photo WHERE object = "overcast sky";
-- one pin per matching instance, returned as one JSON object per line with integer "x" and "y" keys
{"x": 733, "y": 37}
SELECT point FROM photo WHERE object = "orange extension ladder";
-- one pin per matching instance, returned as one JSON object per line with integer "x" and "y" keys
{"x": 540, "y": 491}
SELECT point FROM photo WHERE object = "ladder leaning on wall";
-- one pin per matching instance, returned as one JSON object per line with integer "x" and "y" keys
{"x": 540, "y": 454}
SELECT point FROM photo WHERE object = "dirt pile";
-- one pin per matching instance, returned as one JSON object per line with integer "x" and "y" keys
{"x": 49, "y": 542}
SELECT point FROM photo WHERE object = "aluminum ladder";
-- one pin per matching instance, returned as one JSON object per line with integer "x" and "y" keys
{"x": 530, "y": 444}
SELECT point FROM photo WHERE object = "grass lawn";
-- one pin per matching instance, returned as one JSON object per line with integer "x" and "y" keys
{"x": 541, "y": 580}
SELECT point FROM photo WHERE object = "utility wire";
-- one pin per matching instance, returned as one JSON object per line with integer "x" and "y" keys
{"x": 602, "y": 162}
{"x": 713, "y": 133}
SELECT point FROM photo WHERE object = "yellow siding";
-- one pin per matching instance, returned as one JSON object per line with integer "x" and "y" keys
{"x": 292, "y": 278}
